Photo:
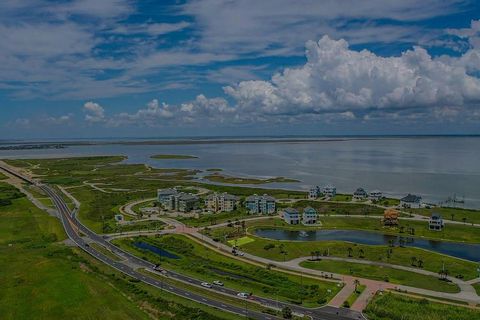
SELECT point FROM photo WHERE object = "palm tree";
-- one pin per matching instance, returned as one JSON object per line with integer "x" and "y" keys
{"x": 349, "y": 249}
{"x": 452, "y": 215}
{"x": 413, "y": 261}
{"x": 360, "y": 253}
{"x": 312, "y": 253}
{"x": 356, "y": 283}
{"x": 391, "y": 242}
{"x": 420, "y": 263}
{"x": 464, "y": 219}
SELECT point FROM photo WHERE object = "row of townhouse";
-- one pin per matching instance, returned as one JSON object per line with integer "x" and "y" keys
{"x": 360, "y": 194}
{"x": 293, "y": 216}
{"x": 263, "y": 204}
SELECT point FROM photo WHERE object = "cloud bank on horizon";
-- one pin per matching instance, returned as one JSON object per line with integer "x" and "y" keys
{"x": 218, "y": 64}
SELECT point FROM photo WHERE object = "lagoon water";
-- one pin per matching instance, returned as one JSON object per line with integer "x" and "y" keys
{"x": 456, "y": 249}
{"x": 434, "y": 167}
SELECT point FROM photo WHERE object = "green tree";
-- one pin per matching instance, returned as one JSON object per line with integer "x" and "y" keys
{"x": 287, "y": 312}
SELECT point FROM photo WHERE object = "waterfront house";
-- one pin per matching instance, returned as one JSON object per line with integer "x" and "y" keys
{"x": 329, "y": 191}
{"x": 314, "y": 193}
{"x": 221, "y": 202}
{"x": 309, "y": 216}
{"x": 375, "y": 195}
{"x": 435, "y": 222}
{"x": 411, "y": 201}
{"x": 390, "y": 217}
{"x": 256, "y": 204}
{"x": 291, "y": 216}
{"x": 360, "y": 194}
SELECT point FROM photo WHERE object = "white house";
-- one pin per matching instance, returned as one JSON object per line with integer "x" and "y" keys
{"x": 314, "y": 193}
{"x": 329, "y": 191}
{"x": 375, "y": 195}
{"x": 291, "y": 216}
{"x": 359, "y": 194}
{"x": 411, "y": 201}
{"x": 435, "y": 222}
{"x": 309, "y": 216}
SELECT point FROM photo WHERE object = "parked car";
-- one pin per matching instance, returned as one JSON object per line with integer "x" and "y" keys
{"x": 243, "y": 295}
{"x": 218, "y": 283}
{"x": 206, "y": 285}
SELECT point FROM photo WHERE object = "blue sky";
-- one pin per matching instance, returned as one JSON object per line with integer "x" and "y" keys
{"x": 88, "y": 68}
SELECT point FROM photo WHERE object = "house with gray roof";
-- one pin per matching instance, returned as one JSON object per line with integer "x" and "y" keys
{"x": 411, "y": 201}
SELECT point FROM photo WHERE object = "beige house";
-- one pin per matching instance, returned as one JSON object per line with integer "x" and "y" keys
{"x": 221, "y": 202}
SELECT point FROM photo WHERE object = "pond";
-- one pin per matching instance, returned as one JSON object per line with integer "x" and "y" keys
{"x": 455, "y": 249}
{"x": 155, "y": 249}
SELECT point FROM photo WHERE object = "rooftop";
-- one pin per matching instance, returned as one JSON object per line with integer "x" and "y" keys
{"x": 411, "y": 198}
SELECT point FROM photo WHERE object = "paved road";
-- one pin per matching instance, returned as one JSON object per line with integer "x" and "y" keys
{"x": 128, "y": 266}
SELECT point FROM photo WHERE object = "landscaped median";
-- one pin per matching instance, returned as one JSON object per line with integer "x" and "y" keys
{"x": 393, "y": 306}
{"x": 200, "y": 262}
{"x": 354, "y": 296}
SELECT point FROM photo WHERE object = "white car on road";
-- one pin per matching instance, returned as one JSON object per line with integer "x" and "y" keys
{"x": 243, "y": 295}
{"x": 218, "y": 283}
{"x": 206, "y": 285}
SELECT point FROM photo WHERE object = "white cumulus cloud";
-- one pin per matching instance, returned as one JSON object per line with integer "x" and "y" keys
{"x": 94, "y": 112}
{"x": 336, "y": 79}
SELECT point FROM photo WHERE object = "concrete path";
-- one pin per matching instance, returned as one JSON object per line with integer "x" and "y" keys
{"x": 127, "y": 209}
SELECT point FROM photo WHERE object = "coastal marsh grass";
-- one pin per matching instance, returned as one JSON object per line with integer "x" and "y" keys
{"x": 397, "y": 307}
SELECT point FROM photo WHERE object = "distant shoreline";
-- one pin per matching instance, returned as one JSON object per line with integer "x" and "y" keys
{"x": 219, "y": 140}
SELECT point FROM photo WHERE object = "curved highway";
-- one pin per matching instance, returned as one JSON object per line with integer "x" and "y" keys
{"x": 73, "y": 227}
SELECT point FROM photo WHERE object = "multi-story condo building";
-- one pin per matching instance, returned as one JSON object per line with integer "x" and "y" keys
{"x": 171, "y": 199}
{"x": 221, "y": 202}
{"x": 260, "y": 204}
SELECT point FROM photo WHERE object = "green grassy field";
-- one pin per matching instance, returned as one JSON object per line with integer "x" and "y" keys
{"x": 458, "y": 214}
{"x": 203, "y": 263}
{"x": 172, "y": 156}
{"x": 396, "y": 307}
{"x": 392, "y": 275}
{"x": 43, "y": 279}
{"x": 342, "y": 197}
